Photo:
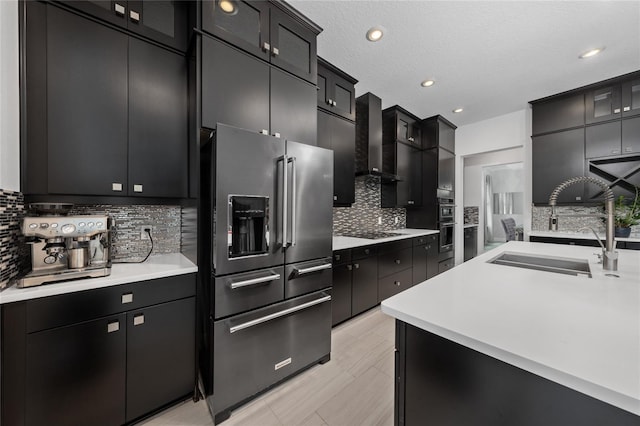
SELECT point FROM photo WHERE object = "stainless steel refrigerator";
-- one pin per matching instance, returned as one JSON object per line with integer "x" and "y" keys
{"x": 266, "y": 209}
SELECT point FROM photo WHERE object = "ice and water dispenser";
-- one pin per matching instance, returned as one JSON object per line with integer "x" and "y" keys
{"x": 248, "y": 225}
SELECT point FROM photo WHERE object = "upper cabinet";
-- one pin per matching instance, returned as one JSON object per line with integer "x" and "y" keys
{"x": 267, "y": 30}
{"x": 438, "y": 132}
{"x": 558, "y": 114}
{"x": 603, "y": 104}
{"x": 402, "y": 126}
{"x": 631, "y": 97}
{"x": 164, "y": 21}
{"x": 336, "y": 91}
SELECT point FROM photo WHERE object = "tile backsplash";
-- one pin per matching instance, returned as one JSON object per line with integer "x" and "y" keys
{"x": 365, "y": 211}
{"x": 13, "y": 252}
{"x": 471, "y": 215}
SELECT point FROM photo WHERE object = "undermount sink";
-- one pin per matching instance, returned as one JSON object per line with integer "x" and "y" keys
{"x": 560, "y": 265}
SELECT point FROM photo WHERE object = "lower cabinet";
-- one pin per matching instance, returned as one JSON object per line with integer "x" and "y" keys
{"x": 99, "y": 357}
{"x": 364, "y": 290}
{"x": 425, "y": 258}
{"x": 470, "y": 243}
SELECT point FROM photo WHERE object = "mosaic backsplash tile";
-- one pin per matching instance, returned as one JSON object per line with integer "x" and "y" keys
{"x": 14, "y": 254}
{"x": 471, "y": 215}
{"x": 364, "y": 213}
{"x": 577, "y": 222}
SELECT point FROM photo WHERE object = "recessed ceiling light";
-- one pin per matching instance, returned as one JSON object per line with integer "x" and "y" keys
{"x": 374, "y": 33}
{"x": 457, "y": 110}
{"x": 427, "y": 83}
{"x": 228, "y": 7}
{"x": 592, "y": 52}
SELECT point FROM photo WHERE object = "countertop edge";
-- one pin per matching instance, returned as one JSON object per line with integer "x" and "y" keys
{"x": 577, "y": 235}
{"x": 121, "y": 273}
{"x": 344, "y": 243}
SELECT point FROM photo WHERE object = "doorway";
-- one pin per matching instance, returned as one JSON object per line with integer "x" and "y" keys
{"x": 503, "y": 198}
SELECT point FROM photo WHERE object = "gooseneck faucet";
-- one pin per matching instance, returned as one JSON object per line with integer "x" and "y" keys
{"x": 609, "y": 255}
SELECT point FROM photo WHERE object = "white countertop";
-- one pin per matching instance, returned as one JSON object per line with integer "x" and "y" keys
{"x": 159, "y": 266}
{"x": 583, "y": 333}
{"x": 578, "y": 235}
{"x": 341, "y": 243}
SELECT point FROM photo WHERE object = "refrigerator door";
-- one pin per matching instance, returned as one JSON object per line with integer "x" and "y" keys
{"x": 247, "y": 173}
{"x": 310, "y": 202}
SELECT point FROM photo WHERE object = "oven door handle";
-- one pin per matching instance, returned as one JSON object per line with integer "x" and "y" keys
{"x": 278, "y": 314}
{"x": 254, "y": 281}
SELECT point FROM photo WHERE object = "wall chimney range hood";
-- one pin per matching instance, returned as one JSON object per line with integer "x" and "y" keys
{"x": 369, "y": 138}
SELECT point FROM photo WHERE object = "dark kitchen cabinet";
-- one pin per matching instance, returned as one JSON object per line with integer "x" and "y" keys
{"x": 470, "y": 242}
{"x": 336, "y": 91}
{"x": 556, "y": 158}
{"x": 341, "y": 291}
{"x": 603, "y": 140}
{"x": 603, "y": 104}
{"x": 163, "y": 21}
{"x": 339, "y": 135}
{"x": 438, "y": 132}
{"x": 558, "y": 114}
{"x": 76, "y": 374}
{"x": 406, "y": 162}
{"x": 446, "y": 169}
{"x": 425, "y": 258}
{"x": 102, "y": 104}
{"x": 631, "y": 97}
{"x": 399, "y": 125}
{"x": 242, "y": 91}
{"x": 266, "y": 30}
{"x": 631, "y": 135}
{"x": 395, "y": 272}
{"x": 364, "y": 293}
{"x": 122, "y": 351}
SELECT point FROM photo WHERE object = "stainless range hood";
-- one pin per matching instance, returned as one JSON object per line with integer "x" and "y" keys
{"x": 369, "y": 138}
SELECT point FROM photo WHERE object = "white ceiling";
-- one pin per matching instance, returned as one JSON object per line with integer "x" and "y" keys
{"x": 488, "y": 57}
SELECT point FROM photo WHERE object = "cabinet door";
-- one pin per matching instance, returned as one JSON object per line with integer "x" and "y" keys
{"x": 293, "y": 108}
{"x": 114, "y": 12}
{"x": 603, "y": 104}
{"x": 419, "y": 264}
{"x": 341, "y": 294}
{"x": 160, "y": 355}
{"x": 403, "y": 169}
{"x": 244, "y": 24}
{"x": 364, "y": 294}
{"x": 556, "y": 158}
{"x": 323, "y": 89}
{"x": 158, "y": 134}
{"x": 293, "y": 46}
{"x": 86, "y": 106}
{"x": 76, "y": 374}
{"x": 403, "y": 126}
{"x": 470, "y": 243}
{"x": 446, "y": 137}
{"x": 164, "y": 21}
{"x": 394, "y": 284}
{"x": 446, "y": 169}
{"x": 631, "y": 98}
{"x": 558, "y": 114}
{"x": 235, "y": 88}
{"x": 344, "y": 145}
{"x": 344, "y": 98}
{"x": 603, "y": 140}
{"x": 631, "y": 135}
{"x": 432, "y": 257}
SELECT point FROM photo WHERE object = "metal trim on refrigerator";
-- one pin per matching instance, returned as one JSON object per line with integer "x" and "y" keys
{"x": 279, "y": 314}
{"x": 285, "y": 196}
{"x": 294, "y": 201}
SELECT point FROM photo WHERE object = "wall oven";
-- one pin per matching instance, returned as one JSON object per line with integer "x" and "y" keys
{"x": 447, "y": 230}
{"x": 446, "y": 210}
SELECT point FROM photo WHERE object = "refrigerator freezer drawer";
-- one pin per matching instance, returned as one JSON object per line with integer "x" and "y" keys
{"x": 305, "y": 277}
{"x": 253, "y": 351}
{"x": 243, "y": 292}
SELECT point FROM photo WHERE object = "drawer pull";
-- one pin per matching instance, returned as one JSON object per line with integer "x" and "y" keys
{"x": 113, "y": 326}
{"x": 279, "y": 314}
{"x": 138, "y": 319}
{"x": 254, "y": 281}
{"x": 127, "y": 298}
{"x": 337, "y": 256}
{"x": 350, "y": 267}
{"x": 397, "y": 261}
{"x": 397, "y": 283}
{"x": 367, "y": 251}
{"x": 625, "y": 109}
{"x": 356, "y": 265}
{"x": 312, "y": 269}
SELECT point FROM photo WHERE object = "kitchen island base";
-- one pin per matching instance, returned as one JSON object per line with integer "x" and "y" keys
{"x": 440, "y": 382}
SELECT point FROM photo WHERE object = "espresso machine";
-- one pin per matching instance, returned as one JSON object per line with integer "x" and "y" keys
{"x": 66, "y": 247}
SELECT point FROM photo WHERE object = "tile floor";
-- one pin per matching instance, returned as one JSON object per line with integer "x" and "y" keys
{"x": 354, "y": 388}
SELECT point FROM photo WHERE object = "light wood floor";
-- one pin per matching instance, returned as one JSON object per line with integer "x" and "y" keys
{"x": 354, "y": 388}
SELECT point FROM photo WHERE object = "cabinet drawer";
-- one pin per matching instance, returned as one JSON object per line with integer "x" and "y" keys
{"x": 394, "y": 284}
{"x": 341, "y": 256}
{"x": 362, "y": 252}
{"x": 256, "y": 350}
{"x": 238, "y": 293}
{"x": 394, "y": 246}
{"x": 303, "y": 278}
{"x": 445, "y": 265}
{"x": 390, "y": 263}
{"x": 71, "y": 308}
{"x": 426, "y": 239}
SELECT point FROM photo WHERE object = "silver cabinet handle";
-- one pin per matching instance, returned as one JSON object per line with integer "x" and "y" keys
{"x": 276, "y": 134}
{"x": 135, "y": 16}
{"x": 254, "y": 281}
{"x": 275, "y": 51}
{"x": 312, "y": 269}
{"x": 116, "y": 186}
{"x": 616, "y": 111}
{"x": 356, "y": 265}
{"x": 410, "y": 202}
{"x": 334, "y": 103}
{"x": 119, "y": 9}
{"x": 264, "y": 132}
{"x": 397, "y": 283}
{"x": 266, "y": 46}
{"x": 137, "y": 188}
{"x": 410, "y": 139}
{"x": 113, "y": 326}
{"x": 627, "y": 108}
{"x": 294, "y": 203}
{"x": 349, "y": 267}
{"x": 615, "y": 151}
{"x": 285, "y": 195}
{"x": 397, "y": 261}
{"x": 127, "y": 298}
{"x": 330, "y": 101}
{"x": 279, "y": 314}
{"x": 138, "y": 319}
{"x": 627, "y": 149}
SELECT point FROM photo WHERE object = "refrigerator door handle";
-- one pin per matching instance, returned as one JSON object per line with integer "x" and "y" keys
{"x": 294, "y": 202}
{"x": 278, "y": 314}
{"x": 254, "y": 281}
{"x": 311, "y": 269}
{"x": 285, "y": 195}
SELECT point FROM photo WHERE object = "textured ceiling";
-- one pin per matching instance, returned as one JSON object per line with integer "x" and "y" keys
{"x": 489, "y": 58}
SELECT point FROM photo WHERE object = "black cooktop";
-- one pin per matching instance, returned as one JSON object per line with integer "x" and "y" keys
{"x": 372, "y": 235}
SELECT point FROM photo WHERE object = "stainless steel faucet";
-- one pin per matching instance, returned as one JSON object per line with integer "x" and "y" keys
{"x": 609, "y": 255}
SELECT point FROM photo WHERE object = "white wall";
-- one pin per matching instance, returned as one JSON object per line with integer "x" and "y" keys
{"x": 491, "y": 142}
{"x": 9, "y": 97}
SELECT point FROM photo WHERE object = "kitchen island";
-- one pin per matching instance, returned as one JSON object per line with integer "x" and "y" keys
{"x": 494, "y": 344}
